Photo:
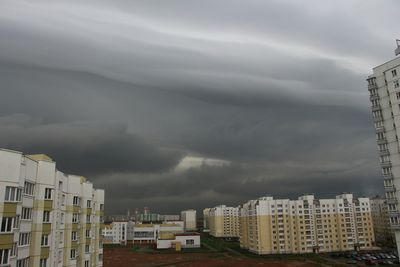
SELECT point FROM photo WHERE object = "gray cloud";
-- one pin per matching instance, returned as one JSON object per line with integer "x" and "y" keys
{"x": 122, "y": 91}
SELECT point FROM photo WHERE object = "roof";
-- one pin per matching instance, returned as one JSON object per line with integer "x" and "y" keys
{"x": 40, "y": 157}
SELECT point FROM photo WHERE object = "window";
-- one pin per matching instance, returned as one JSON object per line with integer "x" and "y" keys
{"x": 101, "y": 206}
{"x": 16, "y": 222}
{"x": 13, "y": 194}
{"x": 190, "y": 242}
{"x": 75, "y": 218}
{"x": 23, "y": 262}
{"x": 14, "y": 250}
{"x": 46, "y": 216}
{"x": 88, "y": 218}
{"x": 394, "y": 73}
{"x": 396, "y": 84}
{"x": 74, "y": 236}
{"x": 89, "y": 204}
{"x": 76, "y": 201}
{"x": 29, "y": 188}
{"x": 87, "y": 263}
{"x": 47, "y": 193}
{"x": 63, "y": 200}
{"x": 73, "y": 254}
{"x": 45, "y": 240}
{"x": 87, "y": 249}
{"x": 43, "y": 263}
{"x": 87, "y": 233}
{"x": 6, "y": 224}
{"x": 4, "y": 256}
{"x": 26, "y": 213}
{"x": 398, "y": 95}
{"x": 24, "y": 239}
{"x": 62, "y": 218}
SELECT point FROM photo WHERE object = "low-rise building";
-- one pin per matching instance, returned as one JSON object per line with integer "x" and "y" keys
{"x": 177, "y": 241}
{"x": 306, "y": 225}
{"x": 148, "y": 233}
{"x": 190, "y": 220}
{"x": 224, "y": 221}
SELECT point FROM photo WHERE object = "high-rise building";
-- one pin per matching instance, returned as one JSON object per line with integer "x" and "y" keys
{"x": 48, "y": 218}
{"x": 190, "y": 220}
{"x": 384, "y": 235}
{"x": 206, "y": 216}
{"x": 384, "y": 88}
{"x": 306, "y": 225}
{"x": 223, "y": 221}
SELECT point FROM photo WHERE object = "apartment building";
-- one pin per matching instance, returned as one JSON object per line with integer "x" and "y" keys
{"x": 189, "y": 218}
{"x": 384, "y": 89}
{"x": 306, "y": 225}
{"x": 115, "y": 233}
{"x": 206, "y": 215}
{"x": 48, "y": 218}
{"x": 224, "y": 221}
{"x": 384, "y": 235}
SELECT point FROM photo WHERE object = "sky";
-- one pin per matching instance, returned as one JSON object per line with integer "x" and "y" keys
{"x": 190, "y": 104}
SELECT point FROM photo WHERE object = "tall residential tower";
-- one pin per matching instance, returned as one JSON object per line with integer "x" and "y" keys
{"x": 384, "y": 88}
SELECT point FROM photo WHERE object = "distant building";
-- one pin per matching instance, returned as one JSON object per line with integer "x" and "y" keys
{"x": 384, "y": 235}
{"x": 206, "y": 224}
{"x": 170, "y": 217}
{"x": 189, "y": 219}
{"x": 177, "y": 241}
{"x": 48, "y": 218}
{"x": 115, "y": 233}
{"x": 224, "y": 221}
{"x": 384, "y": 88}
{"x": 306, "y": 225}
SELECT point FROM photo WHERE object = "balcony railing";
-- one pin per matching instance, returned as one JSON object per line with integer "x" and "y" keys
{"x": 390, "y": 188}
{"x": 372, "y": 86}
{"x": 391, "y": 200}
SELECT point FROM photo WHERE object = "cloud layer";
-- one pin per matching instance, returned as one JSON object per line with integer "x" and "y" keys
{"x": 127, "y": 92}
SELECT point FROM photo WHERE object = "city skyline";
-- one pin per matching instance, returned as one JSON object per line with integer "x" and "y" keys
{"x": 191, "y": 105}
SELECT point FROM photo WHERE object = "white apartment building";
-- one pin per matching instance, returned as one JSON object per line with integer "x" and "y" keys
{"x": 224, "y": 221}
{"x": 189, "y": 218}
{"x": 384, "y": 88}
{"x": 47, "y": 218}
{"x": 306, "y": 225}
{"x": 115, "y": 233}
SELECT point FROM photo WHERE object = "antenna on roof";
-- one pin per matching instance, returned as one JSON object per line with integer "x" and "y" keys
{"x": 397, "y": 51}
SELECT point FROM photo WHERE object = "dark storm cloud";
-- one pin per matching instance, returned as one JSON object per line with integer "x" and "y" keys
{"x": 84, "y": 148}
{"x": 125, "y": 91}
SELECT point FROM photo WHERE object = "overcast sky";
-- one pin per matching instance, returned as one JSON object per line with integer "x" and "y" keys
{"x": 190, "y": 104}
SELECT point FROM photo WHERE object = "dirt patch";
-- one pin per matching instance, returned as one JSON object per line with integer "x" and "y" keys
{"x": 127, "y": 257}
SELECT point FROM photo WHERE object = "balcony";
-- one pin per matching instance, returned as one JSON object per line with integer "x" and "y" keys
{"x": 378, "y": 119}
{"x": 391, "y": 200}
{"x": 390, "y": 188}
{"x": 376, "y": 107}
{"x": 384, "y": 153}
{"x": 386, "y": 164}
{"x": 387, "y": 176}
{"x": 373, "y": 97}
{"x": 381, "y": 141}
{"x": 372, "y": 86}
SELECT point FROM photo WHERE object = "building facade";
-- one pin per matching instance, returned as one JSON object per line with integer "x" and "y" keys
{"x": 384, "y": 235}
{"x": 224, "y": 221}
{"x": 148, "y": 232}
{"x": 48, "y": 218}
{"x": 306, "y": 225}
{"x": 115, "y": 233}
{"x": 190, "y": 220}
{"x": 384, "y": 89}
{"x": 206, "y": 216}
